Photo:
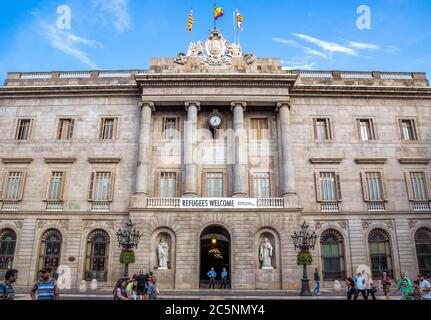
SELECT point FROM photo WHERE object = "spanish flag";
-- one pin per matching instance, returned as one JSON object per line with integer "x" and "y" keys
{"x": 239, "y": 19}
{"x": 218, "y": 13}
{"x": 191, "y": 21}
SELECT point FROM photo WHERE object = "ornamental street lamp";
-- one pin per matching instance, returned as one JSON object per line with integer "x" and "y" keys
{"x": 304, "y": 241}
{"x": 128, "y": 239}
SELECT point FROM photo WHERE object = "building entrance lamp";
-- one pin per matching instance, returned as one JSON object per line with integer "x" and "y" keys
{"x": 128, "y": 239}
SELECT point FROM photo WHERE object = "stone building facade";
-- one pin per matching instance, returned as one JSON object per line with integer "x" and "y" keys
{"x": 347, "y": 152}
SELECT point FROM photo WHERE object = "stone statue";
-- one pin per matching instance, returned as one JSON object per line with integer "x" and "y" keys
{"x": 234, "y": 50}
{"x": 266, "y": 254}
{"x": 195, "y": 49}
{"x": 64, "y": 277}
{"x": 163, "y": 254}
{"x": 250, "y": 58}
{"x": 181, "y": 59}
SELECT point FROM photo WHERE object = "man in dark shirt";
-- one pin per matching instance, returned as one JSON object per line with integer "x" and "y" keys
{"x": 142, "y": 285}
{"x": 6, "y": 289}
{"x": 317, "y": 280}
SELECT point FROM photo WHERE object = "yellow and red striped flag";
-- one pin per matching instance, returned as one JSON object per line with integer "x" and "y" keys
{"x": 191, "y": 22}
{"x": 239, "y": 19}
{"x": 218, "y": 13}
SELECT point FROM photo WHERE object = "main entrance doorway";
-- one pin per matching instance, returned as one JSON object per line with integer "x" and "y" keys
{"x": 215, "y": 253}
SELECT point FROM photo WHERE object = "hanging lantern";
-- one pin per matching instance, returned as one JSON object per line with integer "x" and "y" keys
{"x": 214, "y": 240}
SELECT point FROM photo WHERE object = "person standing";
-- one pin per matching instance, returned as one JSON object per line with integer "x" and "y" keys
{"x": 351, "y": 291}
{"x": 152, "y": 290}
{"x": 425, "y": 287}
{"x": 401, "y": 283}
{"x": 370, "y": 287}
{"x": 224, "y": 279}
{"x": 7, "y": 291}
{"x": 386, "y": 284}
{"x": 317, "y": 280}
{"x": 360, "y": 286}
{"x": 407, "y": 291}
{"x": 212, "y": 275}
{"x": 46, "y": 288}
{"x": 417, "y": 293}
{"x": 120, "y": 290}
{"x": 141, "y": 285}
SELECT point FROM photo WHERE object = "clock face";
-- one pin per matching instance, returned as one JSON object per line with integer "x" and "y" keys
{"x": 215, "y": 121}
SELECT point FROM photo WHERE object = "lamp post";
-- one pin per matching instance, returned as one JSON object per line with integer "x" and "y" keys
{"x": 128, "y": 239}
{"x": 304, "y": 241}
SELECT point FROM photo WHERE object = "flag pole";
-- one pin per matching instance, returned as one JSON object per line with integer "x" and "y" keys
{"x": 215, "y": 20}
{"x": 234, "y": 28}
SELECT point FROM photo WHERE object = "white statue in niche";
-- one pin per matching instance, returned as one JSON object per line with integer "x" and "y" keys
{"x": 163, "y": 254}
{"x": 265, "y": 254}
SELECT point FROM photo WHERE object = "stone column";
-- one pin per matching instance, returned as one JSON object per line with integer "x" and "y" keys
{"x": 190, "y": 140}
{"x": 287, "y": 169}
{"x": 240, "y": 168}
{"x": 144, "y": 156}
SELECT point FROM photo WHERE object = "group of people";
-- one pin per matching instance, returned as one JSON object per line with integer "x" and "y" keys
{"x": 140, "y": 287}
{"x": 212, "y": 275}
{"x": 44, "y": 289}
{"x": 361, "y": 284}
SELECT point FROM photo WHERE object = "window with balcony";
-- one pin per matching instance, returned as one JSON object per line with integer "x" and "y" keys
{"x": 24, "y": 129}
{"x": 65, "y": 129}
{"x": 101, "y": 190}
{"x": 261, "y": 185}
{"x": 328, "y": 190}
{"x": 214, "y": 185}
{"x": 12, "y": 189}
{"x": 55, "y": 191}
{"x": 418, "y": 192}
{"x": 168, "y": 185}
{"x": 374, "y": 190}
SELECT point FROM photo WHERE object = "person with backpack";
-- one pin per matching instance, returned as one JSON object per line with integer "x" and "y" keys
{"x": 7, "y": 291}
{"x": 120, "y": 292}
{"x": 46, "y": 288}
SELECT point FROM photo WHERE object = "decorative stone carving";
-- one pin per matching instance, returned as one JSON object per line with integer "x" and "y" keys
{"x": 163, "y": 254}
{"x": 111, "y": 225}
{"x": 412, "y": 224}
{"x": 250, "y": 58}
{"x": 195, "y": 49}
{"x": 181, "y": 59}
{"x": 234, "y": 50}
{"x": 343, "y": 224}
{"x": 265, "y": 254}
{"x": 41, "y": 224}
{"x": 389, "y": 224}
{"x": 365, "y": 225}
{"x": 18, "y": 224}
{"x": 318, "y": 225}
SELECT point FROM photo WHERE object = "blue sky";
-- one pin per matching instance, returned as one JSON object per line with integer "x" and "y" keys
{"x": 304, "y": 34}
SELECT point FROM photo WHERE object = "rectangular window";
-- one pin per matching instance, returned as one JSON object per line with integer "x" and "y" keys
{"x": 374, "y": 187}
{"x": 170, "y": 128}
{"x": 417, "y": 185}
{"x": 328, "y": 186}
{"x": 366, "y": 129}
{"x": 261, "y": 185}
{"x": 101, "y": 187}
{"x": 24, "y": 129}
{"x": 408, "y": 130}
{"x": 56, "y": 186}
{"x": 322, "y": 129}
{"x": 13, "y": 186}
{"x": 215, "y": 185}
{"x": 168, "y": 185}
{"x": 259, "y": 129}
{"x": 65, "y": 129}
{"x": 108, "y": 129}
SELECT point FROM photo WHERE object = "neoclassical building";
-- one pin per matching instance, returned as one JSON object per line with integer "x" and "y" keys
{"x": 211, "y": 153}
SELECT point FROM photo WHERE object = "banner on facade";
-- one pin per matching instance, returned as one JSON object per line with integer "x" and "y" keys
{"x": 218, "y": 203}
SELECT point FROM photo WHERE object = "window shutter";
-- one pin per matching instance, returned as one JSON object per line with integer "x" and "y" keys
{"x": 374, "y": 128}
{"x": 226, "y": 184}
{"x": 178, "y": 180}
{"x": 384, "y": 186}
{"x": 3, "y": 184}
{"x": 178, "y": 128}
{"x": 71, "y": 129}
{"x": 338, "y": 183}
{"x": 91, "y": 191}
{"x": 111, "y": 192}
{"x": 317, "y": 181}
{"x": 400, "y": 124}
{"x": 315, "y": 128}
{"x": 22, "y": 186}
{"x": 47, "y": 184}
{"x": 414, "y": 129}
{"x": 364, "y": 186}
{"x": 101, "y": 123}
{"x": 163, "y": 131}
{"x": 63, "y": 186}
{"x": 157, "y": 183}
{"x": 329, "y": 129}
{"x": 115, "y": 134}
{"x": 204, "y": 185}
{"x": 410, "y": 193}
{"x": 428, "y": 177}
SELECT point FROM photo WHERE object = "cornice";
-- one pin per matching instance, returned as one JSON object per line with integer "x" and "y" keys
{"x": 60, "y": 160}
{"x": 414, "y": 160}
{"x": 104, "y": 160}
{"x": 326, "y": 160}
{"x": 17, "y": 160}
{"x": 371, "y": 160}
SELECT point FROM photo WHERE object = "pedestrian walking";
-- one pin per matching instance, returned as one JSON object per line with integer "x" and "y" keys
{"x": 120, "y": 292}
{"x": 386, "y": 284}
{"x": 360, "y": 286}
{"x": 7, "y": 291}
{"x": 152, "y": 289}
{"x": 351, "y": 291}
{"x": 401, "y": 283}
{"x": 417, "y": 293}
{"x": 141, "y": 288}
{"x": 317, "y": 280}
{"x": 425, "y": 286}
{"x": 224, "y": 279}
{"x": 46, "y": 288}
{"x": 370, "y": 288}
{"x": 212, "y": 275}
{"x": 407, "y": 291}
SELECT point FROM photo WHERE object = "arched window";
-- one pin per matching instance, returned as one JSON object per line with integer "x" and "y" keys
{"x": 380, "y": 253}
{"x": 7, "y": 250}
{"x": 331, "y": 242}
{"x": 423, "y": 250}
{"x": 50, "y": 250}
{"x": 96, "y": 265}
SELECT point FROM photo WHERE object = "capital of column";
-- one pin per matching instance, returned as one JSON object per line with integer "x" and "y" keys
{"x": 149, "y": 104}
{"x": 238, "y": 103}
{"x": 196, "y": 104}
{"x": 282, "y": 104}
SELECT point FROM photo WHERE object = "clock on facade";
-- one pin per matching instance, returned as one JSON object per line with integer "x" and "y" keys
{"x": 215, "y": 120}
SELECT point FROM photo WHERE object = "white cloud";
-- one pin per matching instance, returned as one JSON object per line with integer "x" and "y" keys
{"x": 68, "y": 43}
{"x": 117, "y": 10}
{"x": 307, "y": 50}
{"x": 330, "y": 47}
{"x": 364, "y": 46}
